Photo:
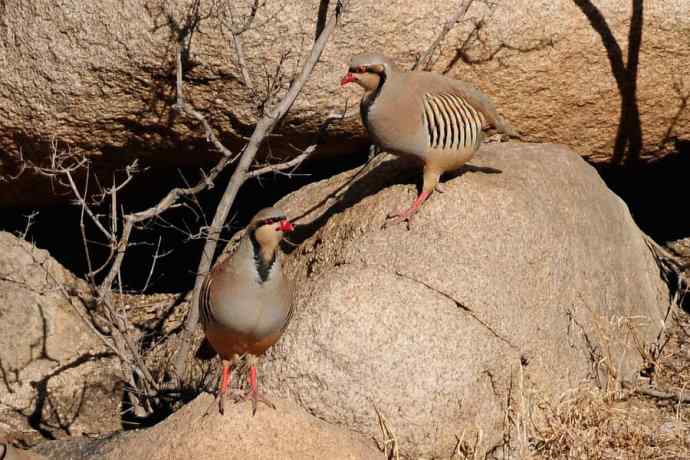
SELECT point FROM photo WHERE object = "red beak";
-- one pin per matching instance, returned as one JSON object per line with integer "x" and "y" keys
{"x": 285, "y": 226}
{"x": 349, "y": 78}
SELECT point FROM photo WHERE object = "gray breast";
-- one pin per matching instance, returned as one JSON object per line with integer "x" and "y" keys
{"x": 394, "y": 123}
{"x": 248, "y": 308}
{"x": 239, "y": 299}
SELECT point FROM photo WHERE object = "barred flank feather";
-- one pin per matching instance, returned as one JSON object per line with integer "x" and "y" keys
{"x": 205, "y": 313}
{"x": 451, "y": 122}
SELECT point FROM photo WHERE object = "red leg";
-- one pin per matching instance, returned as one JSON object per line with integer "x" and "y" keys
{"x": 252, "y": 378}
{"x": 225, "y": 383}
{"x": 253, "y": 388}
{"x": 253, "y": 394}
{"x": 405, "y": 215}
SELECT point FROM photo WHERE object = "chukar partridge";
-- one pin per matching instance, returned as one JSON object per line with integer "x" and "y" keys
{"x": 429, "y": 116}
{"x": 245, "y": 302}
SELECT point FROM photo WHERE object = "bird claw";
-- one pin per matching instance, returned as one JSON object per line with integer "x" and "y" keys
{"x": 396, "y": 218}
{"x": 220, "y": 401}
{"x": 405, "y": 216}
{"x": 255, "y": 397}
{"x": 496, "y": 138}
{"x": 253, "y": 393}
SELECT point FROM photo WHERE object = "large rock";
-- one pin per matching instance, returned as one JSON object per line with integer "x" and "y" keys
{"x": 97, "y": 77}
{"x": 9, "y": 452}
{"x": 57, "y": 378}
{"x": 526, "y": 274}
{"x": 285, "y": 433}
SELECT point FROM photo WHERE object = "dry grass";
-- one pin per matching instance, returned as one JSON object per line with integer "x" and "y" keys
{"x": 389, "y": 444}
{"x": 586, "y": 425}
{"x": 594, "y": 423}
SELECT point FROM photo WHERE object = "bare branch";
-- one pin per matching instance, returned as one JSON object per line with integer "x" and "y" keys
{"x": 184, "y": 108}
{"x": 119, "y": 336}
{"x": 425, "y": 58}
{"x": 647, "y": 390}
{"x": 671, "y": 267}
{"x": 236, "y": 33}
{"x": 153, "y": 265}
{"x": 237, "y": 41}
{"x": 85, "y": 207}
{"x": 239, "y": 30}
{"x": 306, "y": 153}
{"x": 84, "y": 239}
{"x": 29, "y": 222}
{"x": 286, "y": 165}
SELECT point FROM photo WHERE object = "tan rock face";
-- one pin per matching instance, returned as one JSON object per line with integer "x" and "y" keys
{"x": 96, "y": 77}
{"x": 286, "y": 433}
{"x": 8, "y": 452}
{"x": 526, "y": 266}
{"x": 56, "y": 377}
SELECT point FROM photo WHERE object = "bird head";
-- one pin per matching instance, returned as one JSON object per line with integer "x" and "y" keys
{"x": 368, "y": 70}
{"x": 267, "y": 228}
{"x": 271, "y": 220}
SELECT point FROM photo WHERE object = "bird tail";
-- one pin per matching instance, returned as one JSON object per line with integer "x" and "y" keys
{"x": 485, "y": 105}
{"x": 504, "y": 127}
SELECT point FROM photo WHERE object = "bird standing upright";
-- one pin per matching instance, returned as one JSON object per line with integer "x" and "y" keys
{"x": 429, "y": 116}
{"x": 245, "y": 302}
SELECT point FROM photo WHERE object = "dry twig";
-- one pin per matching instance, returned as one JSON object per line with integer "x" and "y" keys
{"x": 236, "y": 31}
{"x": 679, "y": 397}
{"x": 424, "y": 59}
{"x": 389, "y": 446}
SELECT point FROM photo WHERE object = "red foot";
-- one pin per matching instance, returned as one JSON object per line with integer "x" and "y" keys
{"x": 405, "y": 215}
{"x": 253, "y": 394}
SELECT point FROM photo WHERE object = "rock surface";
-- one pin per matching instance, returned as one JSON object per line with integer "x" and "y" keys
{"x": 8, "y": 452}
{"x": 527, "y": 266}
{"x": 285, "y": 433}
{"x": 96, "y": 77}
{"x": 56, "y": 376}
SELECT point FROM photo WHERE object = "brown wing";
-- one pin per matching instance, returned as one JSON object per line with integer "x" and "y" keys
{"x": 290, "y": 293}
{"x": 483, "y": 104}
{"x": 205, "y": 305}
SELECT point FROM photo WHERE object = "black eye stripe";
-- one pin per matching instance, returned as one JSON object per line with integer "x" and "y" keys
{"x": 270, "y": 220}
{"x": 359, "y": 69}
